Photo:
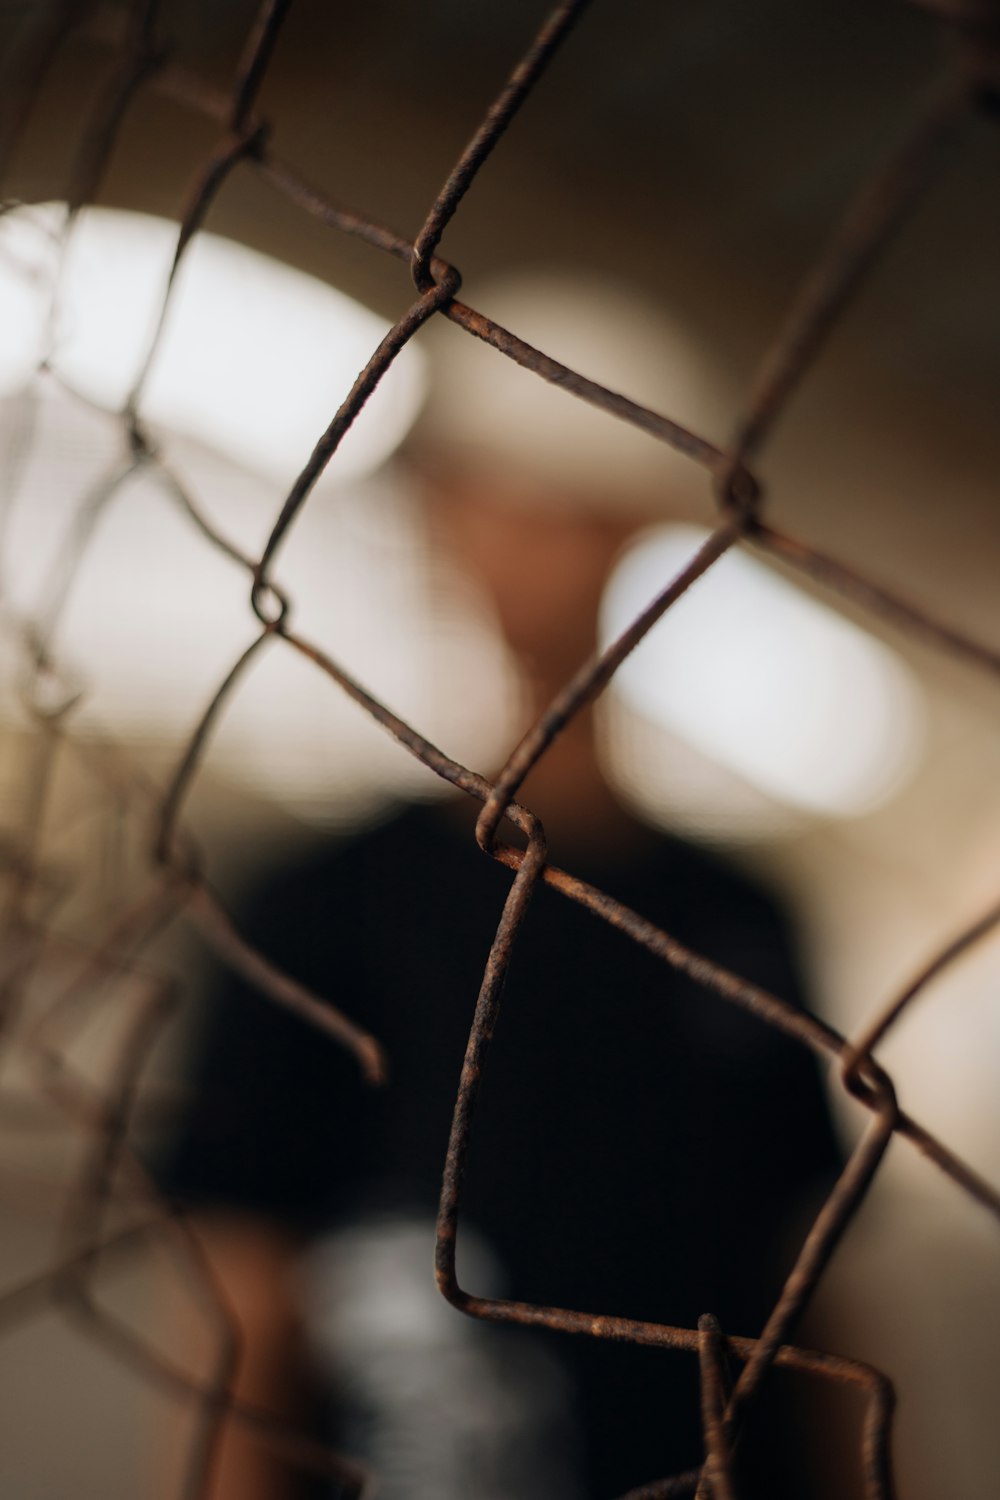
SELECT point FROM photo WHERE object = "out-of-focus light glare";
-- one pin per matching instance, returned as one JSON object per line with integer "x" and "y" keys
{"x": 255, "y": 360}
{"x": 157, "y": 616}
{"x": 255, "y": 357}
{"x": 765, "y": 681}
{"x": 28, "y": 256}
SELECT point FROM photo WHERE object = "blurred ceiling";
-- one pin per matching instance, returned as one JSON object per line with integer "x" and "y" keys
{"x": 661, "y": 133}
{"x": 702, "y": 149}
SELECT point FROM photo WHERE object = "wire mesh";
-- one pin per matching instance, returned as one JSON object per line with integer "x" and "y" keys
{"x": 176, "y": 884}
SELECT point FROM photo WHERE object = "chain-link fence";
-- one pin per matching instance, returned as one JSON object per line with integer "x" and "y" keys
{"x": 113, "y": 1205}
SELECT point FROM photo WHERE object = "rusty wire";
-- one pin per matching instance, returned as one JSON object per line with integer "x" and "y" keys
{"x": 176, "y": 884}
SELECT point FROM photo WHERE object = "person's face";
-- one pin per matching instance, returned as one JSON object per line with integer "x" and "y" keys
{"x": 541, "y": 559}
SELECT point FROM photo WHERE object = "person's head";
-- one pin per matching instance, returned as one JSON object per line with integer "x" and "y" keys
{"x": 537, "y": 491}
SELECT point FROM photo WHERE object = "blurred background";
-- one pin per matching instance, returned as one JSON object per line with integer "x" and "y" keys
{"x": 700, "y": 153}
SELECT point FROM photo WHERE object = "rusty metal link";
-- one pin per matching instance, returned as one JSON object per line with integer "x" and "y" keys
{"x": 112, "y": 1176}
{"x": 496, "y": 120}
{"x": 141, "y": 58}
{"x": 716, "y": 1477}
{"x": 592, "y": 677}
{"x": 33, "y": 48}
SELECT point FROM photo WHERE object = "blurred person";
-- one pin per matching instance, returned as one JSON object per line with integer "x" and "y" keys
{"x": 640, "y": 1148}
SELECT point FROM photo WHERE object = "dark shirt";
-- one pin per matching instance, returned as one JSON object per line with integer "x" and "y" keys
{"x": 641, "y": 1146}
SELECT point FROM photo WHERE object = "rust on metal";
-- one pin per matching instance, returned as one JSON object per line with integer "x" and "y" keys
{"x": 177, "y": 886}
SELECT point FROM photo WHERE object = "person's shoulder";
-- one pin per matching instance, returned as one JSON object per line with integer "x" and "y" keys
{"x": 714, "y": 875}
{"x": 335, "y": 856}
{"x": 727, "y": 913}
{"x": 292, "y": 895}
